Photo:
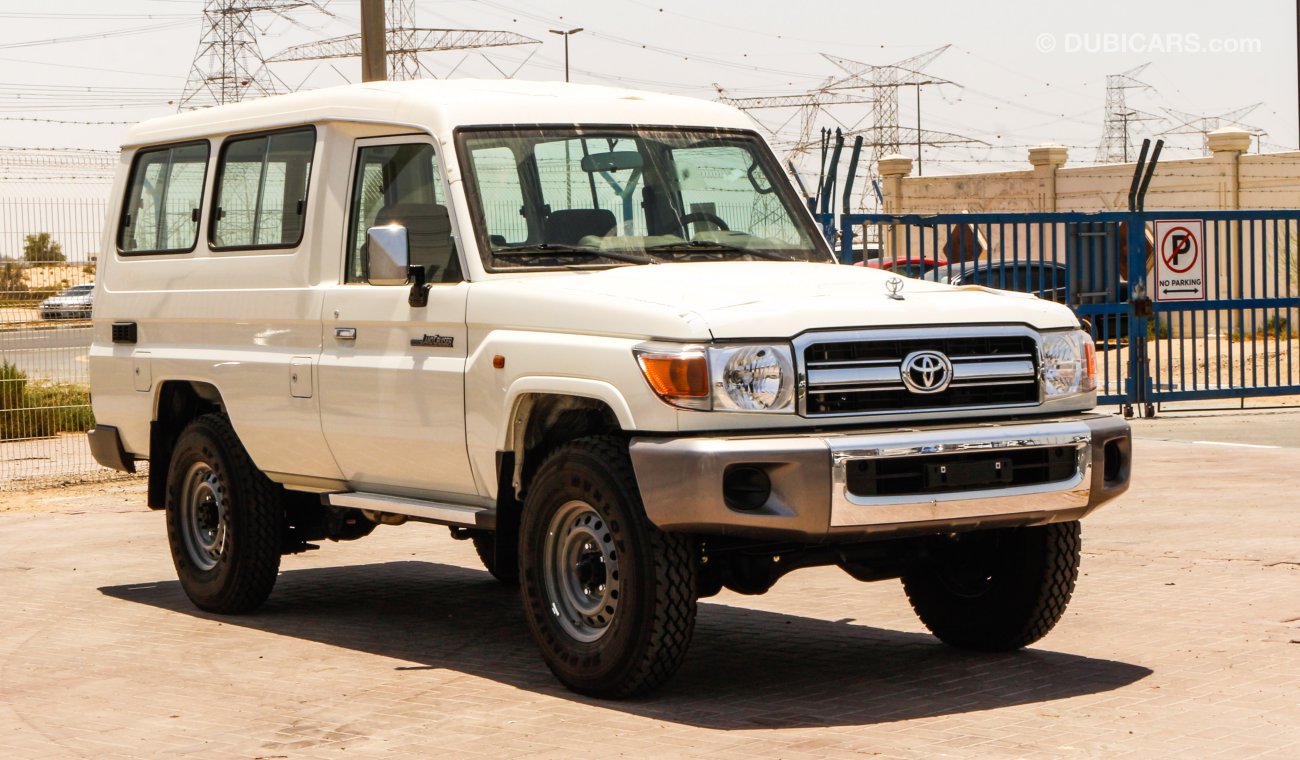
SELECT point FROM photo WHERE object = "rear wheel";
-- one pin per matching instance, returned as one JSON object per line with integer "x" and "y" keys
{"x": 997, "y": 590}
{"x": 225, "y": 519}
{"x": 609, "y": 598}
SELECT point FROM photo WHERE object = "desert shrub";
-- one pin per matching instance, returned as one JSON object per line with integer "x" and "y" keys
{"x": 13, "y": 385}
{"x": 12, "y": 281}
{"x": 36, "y": 409}
{"x": 40, "y": 248}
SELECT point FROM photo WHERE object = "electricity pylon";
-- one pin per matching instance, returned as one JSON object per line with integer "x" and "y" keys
{"x": 228, "y": 66}
{"x": 405, "y": 41}
{"x": 1115, "y": 135}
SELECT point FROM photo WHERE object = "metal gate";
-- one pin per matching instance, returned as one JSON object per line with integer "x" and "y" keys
{"x": 1232, "y": 336}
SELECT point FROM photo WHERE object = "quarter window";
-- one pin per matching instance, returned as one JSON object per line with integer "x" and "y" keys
{"x": 262, "y": 190}
{"x": 163, "y": 200}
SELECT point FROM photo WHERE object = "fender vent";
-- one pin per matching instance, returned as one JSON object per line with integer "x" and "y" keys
{"x": 124, "y": 332}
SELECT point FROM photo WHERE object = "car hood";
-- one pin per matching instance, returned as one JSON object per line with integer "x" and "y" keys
{"x": 737, "y": 299}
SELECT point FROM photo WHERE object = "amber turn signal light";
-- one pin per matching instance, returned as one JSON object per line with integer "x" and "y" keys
{"x": 681, "y": 376}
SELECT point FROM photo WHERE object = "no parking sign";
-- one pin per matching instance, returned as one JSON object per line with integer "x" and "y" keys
{"x": 1180, "y": 260}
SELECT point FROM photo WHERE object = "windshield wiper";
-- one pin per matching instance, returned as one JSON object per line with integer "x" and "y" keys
{"x": 568, "y": 250}
{"x": 709, "y": 245}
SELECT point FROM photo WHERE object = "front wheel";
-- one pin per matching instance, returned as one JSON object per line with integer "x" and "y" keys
{"x": 609, "y": 598}
{"x": 225, "y": 519}
{"x": 997, "y": 590}
{"x": 485, "y": 546}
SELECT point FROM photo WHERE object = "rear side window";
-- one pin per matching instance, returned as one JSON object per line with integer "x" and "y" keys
{"x": 163, "y": 200}
{"x": 262, "y": 190}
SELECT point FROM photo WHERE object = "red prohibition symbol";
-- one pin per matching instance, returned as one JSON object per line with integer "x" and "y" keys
{"x": 1178, "y": 249}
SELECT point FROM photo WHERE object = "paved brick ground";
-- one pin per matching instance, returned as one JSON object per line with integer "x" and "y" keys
{"x": 1183, "y": 640}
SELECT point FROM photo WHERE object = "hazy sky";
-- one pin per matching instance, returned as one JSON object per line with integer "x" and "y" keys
{"x": 1025, "y": 72}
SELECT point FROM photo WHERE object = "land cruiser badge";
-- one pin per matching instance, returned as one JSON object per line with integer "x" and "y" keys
{"x": 434, "y": 341}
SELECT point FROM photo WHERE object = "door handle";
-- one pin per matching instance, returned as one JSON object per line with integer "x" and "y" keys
{"x": 345, "y": 333}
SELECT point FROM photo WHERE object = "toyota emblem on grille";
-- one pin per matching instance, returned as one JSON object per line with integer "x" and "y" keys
{"x": 926, "y": 372}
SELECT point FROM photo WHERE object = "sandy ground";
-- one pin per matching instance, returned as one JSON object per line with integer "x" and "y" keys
{"x": 113, "y": 496}
{"x": 62, "y": 460}
{"x": 1188, "y": 364}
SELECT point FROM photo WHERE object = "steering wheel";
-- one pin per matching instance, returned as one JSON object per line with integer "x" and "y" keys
{"x": 703, "y": 216}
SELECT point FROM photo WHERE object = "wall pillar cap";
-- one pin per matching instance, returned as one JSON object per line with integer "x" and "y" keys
{"x": 1228, "y": 140}
{"x": 1049, "y": 155}
{"x": 895, "y": 165}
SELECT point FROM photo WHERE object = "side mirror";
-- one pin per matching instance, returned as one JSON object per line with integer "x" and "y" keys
{"x": 388, "y": 255}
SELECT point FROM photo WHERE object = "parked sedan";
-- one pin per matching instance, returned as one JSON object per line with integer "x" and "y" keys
{"x": 911, "y": 267}
{"x": 73, "y": 303}
{"x": 1045, "y": 279}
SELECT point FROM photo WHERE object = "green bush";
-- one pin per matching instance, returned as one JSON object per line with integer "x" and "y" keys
{"x": 13, "y": 386}
{"x": 40, "y": 248}
{"x": 12, "y": 281}
{"x": 1276, "y": 326}
{"x": 38, "y": 410}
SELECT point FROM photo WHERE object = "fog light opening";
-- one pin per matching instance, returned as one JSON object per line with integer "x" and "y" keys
{"x": 1114, "y": 461}
{"x": 746, "y": 488}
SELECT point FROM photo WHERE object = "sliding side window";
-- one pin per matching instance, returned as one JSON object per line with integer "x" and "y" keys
{"x": 163, "y": 199}
{"x": 262, "y": 190}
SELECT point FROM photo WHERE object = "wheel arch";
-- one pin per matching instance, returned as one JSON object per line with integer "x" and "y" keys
{"x": 541, "y": 420}
{"x": 176, "y": 403}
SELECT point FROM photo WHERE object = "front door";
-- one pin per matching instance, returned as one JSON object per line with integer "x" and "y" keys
{"x": 392, "y": 375}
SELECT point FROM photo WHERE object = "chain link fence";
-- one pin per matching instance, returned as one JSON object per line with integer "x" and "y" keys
{"x": 48, "y": 250}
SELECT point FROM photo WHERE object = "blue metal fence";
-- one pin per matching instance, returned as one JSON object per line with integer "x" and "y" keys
{"x": 1236, "y": 340}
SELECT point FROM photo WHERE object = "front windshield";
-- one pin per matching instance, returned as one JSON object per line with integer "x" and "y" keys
{"x": 600, "y": 197}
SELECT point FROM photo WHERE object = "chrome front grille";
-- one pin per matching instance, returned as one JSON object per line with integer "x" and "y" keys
{"x": 863, "y": 372}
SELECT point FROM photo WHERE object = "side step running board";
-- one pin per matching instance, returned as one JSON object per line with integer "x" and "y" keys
{"x": 433, "y": 511}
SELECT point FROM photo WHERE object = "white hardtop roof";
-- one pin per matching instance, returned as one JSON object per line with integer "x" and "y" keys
{"x": 439, "y": 106}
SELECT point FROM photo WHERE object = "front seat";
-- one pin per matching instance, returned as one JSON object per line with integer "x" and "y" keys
{"x": 428, "y": 235}
{"x": 570, "y": 226}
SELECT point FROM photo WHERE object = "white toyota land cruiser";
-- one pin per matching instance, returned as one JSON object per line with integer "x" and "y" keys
{"x": 596, "y": 332}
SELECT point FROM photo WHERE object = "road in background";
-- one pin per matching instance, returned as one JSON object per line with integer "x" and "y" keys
{"x": 49, "y": 351}
{"x": 1252, "y": 427}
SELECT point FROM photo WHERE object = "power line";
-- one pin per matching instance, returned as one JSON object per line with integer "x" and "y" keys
{"x": 683, "y": 54}
{"x": 66, "y": 121}
{"x": 129, "y": 31}
{"x": 94, "y": 16}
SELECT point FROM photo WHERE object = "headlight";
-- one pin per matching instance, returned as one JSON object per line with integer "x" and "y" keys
{"x": 1069, "y": 363}
{"x": 752, "y": 378}
{"x": 730, "y": 378}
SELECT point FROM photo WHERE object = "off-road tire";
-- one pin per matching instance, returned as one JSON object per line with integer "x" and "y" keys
{"x": 997, "y": 590}
{"x": 243, "y": 563}
{"x": 485, "y": 545}
{"x": 643, "y": 641}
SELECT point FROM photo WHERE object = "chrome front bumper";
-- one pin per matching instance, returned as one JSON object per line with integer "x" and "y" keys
{"x": 682, "y": 479}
